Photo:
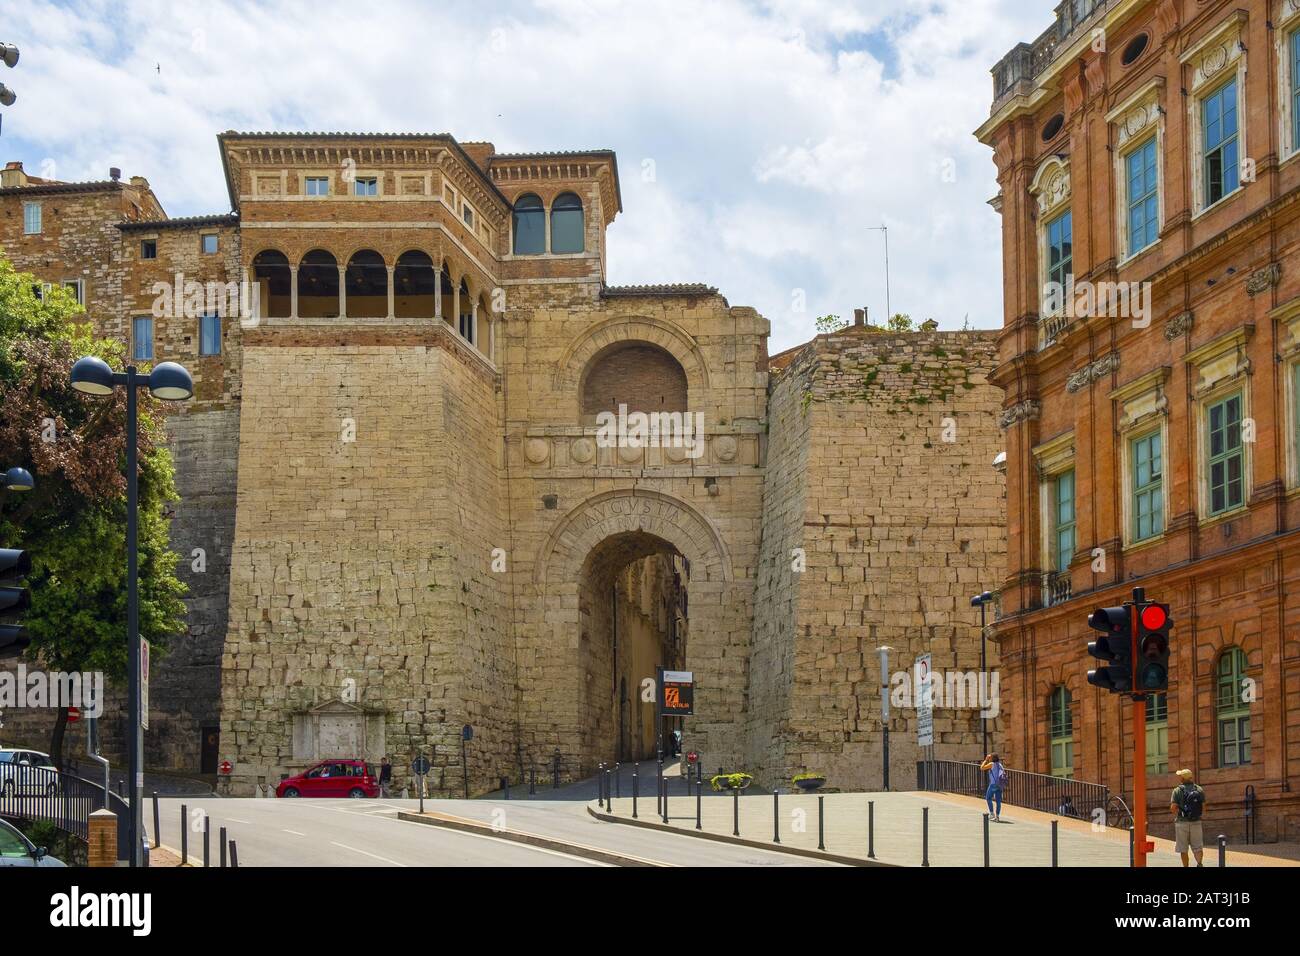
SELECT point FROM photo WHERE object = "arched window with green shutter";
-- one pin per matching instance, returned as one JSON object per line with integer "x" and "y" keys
{"x": 1060, "y": 709}
{"x": 1233, "y": 709}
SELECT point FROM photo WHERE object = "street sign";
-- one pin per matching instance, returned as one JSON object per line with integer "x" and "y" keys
{"x": 227, "y": 768}
{"x": 467, "y": 732}
{"x": 420, "y": 765}
{"x": 924, "y": 701}
{"x": 74, "y": 715}
{"x": 692, "y": 757}
{"x": 676, "y": 696}
{"x": 144, "y": 684}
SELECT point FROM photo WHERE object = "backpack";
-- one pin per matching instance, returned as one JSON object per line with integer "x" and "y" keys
{"x": 1000, "y": 776}
{"x": 1189, "y": 808}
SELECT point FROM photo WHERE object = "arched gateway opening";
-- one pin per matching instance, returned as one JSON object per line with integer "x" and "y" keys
{"x": 632, "y": 612}
{"x": 627, "y": 581}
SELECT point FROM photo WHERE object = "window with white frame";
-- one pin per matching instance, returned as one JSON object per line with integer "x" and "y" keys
{"x": 1286, "y": 27}
{"x": 1220, "y": 129}
{"x": 1054, "y": 461}
{"x": 1142, "y": 186}
{"x": 1294, "y": 61}
{"x": 1141, "y": 422}
{"x": 1219, "y": 379}
{"x": 31, "y": 218}
{"x": 316, "y": 186}
{"x": 1060, "y": 250}
{"x": 78, "y": 289}
{"x": 365, "y": 186}
{"x": 1216, "y": 106}
{"x": 1287, "y": 318}
{"x": 142, "y": 338}
{"x": 208, "y": 243}
{"x": 1147, "y": 486}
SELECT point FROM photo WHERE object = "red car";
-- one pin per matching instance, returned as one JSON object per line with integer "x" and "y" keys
{"x": 332, "y": 778}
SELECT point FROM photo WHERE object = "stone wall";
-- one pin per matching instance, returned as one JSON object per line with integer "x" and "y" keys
{"x": 902, "y": 522}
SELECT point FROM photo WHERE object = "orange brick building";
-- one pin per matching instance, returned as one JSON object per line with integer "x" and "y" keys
{"x": 1152, "y": 434}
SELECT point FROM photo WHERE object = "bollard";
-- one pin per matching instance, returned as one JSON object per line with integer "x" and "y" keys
{"x": 223, "y": 848}
{"x": 157, "y": 829}
{"x": 1130, "y": 845}
{"x": 699, "y": 799}
{"x": 207, "y": 830}
{"x": 185, "y": 837}
{"x": 634, "y": 789}
{"x": 735, "y": 811}
{"x": 555, "y": 770}
{"x": 234, "y": 856}
{"x": 986, "y": 837}
{"x": 776, "y": 816}
{"x": 532, "y": 779}
{"x": 600, "y": 785}
{"x": 821, "y": 822}
{"x": 665, "y": 799}
{"x": 925, "y": 836}
{"x": 1223, "y": 849}
{"x": 871, "y": 829}
{"x": 618, "y": 779}
{"x": 505, "y": 786}
{"x": 1054, "y": 862}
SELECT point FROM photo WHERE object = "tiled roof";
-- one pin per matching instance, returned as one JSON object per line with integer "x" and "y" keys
{"x": 300, "y": 134}
{"x": 675, "y": 288}
{"x": 41, "y": 189}
{"x": 603, "y": 151}
{"x": 181, "y": 222}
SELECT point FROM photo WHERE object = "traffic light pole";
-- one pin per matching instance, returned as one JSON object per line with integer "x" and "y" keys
{"x": 135, "y": 739}
{"x": 1139, "y": 780}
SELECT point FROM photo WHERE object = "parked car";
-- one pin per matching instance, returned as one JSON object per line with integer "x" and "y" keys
{"x": 332, "y": 778}
{"x": 17, "y": 850}
{"x": 27, "y": 773}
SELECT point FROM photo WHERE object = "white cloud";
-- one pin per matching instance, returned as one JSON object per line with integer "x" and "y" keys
{"x": 779, "y": 131}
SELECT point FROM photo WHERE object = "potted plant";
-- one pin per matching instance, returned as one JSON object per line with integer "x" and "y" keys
{"x": 809, "y": 781}
{"x": 731, "y": 781}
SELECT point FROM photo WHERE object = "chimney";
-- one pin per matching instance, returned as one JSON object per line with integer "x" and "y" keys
{"x": 12, "y": 175}
{"x": 479, "y": 153}
{"x": 859, "y": 317}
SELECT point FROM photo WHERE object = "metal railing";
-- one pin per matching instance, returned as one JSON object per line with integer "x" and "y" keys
{"x": 1034, "y": 791}
{"x": 67, "y": 801}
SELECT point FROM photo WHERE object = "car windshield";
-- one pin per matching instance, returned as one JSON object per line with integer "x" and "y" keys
{"x": 6, "y": 758}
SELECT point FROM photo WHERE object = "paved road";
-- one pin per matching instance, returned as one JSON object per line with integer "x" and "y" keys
{"x": 368, "y": 833}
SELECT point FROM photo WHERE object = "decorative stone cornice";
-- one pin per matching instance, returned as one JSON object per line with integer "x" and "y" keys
{"x": 1139, "y": 114}
{"x": 1020, "y": 412}
{"x": 1054, "y": 456}
{"x": 1219, "y": 50}
{"x": 1092, "y": 372}
{"x": 1220, "y": 360}
{"x": 1261, "y": 280}
{"x": 1142, "y": 397}
{"x": 1180, "y": 324}
{"x": 1051, "y": 185}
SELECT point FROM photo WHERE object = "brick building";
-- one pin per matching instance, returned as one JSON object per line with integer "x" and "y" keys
{"x": 1146, "y": 156}
{"x": 395, "y": 468}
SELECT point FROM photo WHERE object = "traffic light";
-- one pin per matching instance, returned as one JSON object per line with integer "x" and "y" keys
{"x": 1116, "y": 649}
{"x": 1151, "y": 661}
{"x": 14, "y": 599}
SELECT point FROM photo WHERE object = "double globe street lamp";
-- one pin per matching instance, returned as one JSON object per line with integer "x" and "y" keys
{"x": 170, "y": 382}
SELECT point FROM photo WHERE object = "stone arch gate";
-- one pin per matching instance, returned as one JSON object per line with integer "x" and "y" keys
{"x": 618, "y": 526}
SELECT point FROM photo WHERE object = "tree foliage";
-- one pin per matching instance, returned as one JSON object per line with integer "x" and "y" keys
{"x": 74, "y": 522}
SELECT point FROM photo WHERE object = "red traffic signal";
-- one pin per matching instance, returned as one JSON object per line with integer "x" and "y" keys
{"x": 1151, "y": 662}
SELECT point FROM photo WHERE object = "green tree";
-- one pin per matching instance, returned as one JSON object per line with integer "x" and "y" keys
{"x": 830, "y": 323}
{"x": 900, "y": 322}
{"x": 74, "y": 522}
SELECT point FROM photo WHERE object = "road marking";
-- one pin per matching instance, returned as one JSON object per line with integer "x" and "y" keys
{"x": 382, "y": 859}
{"x": 514, "y": 843}
{"x": 294, "y": 832}
{"x": 233, "y": 820}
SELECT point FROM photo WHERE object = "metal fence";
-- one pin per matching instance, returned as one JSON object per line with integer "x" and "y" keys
{"x": 1034, "y": 791}
{"x": 67, "y": 801}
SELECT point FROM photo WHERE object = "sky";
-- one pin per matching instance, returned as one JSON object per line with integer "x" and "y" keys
{"x": 758, "y": 143}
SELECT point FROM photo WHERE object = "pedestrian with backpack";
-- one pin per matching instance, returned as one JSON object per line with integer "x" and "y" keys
{"x": 1187, "y": 804}
{"x": 998, "y": 780}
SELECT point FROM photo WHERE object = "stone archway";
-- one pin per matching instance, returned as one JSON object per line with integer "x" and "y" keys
{"x": 577, "y": 711}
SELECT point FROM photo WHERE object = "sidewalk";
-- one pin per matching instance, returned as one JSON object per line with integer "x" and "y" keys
{"x": 956, "y": 829}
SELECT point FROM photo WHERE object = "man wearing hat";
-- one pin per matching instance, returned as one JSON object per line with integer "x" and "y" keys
{"x": 1187, "y": 804}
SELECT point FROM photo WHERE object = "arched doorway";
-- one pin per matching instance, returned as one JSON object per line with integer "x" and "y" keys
{"x": 657, "y": 567}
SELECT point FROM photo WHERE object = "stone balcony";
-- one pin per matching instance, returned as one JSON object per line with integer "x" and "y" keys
{"x": 1015, "y": 73}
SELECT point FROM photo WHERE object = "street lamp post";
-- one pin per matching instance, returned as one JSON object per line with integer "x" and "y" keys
{"x": 884, "y": 709}
{"x": 170, "y": 382}
{"x": 982, "y": 600}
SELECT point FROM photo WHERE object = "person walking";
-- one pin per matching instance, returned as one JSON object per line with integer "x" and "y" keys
{"x": 998, "y": 779}
{"x": 1187, "y": 803}
{"x": 385, "y": 776}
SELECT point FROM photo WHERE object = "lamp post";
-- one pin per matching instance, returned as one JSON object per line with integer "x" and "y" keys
{"x": 19, "y": 479}
{"x": 170, "y": 382}
{"x": 884, "y": 709}
{"x": 982, "y": 601}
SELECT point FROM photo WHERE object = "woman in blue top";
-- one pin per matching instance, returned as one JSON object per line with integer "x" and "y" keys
{"x": 997, "y": 780}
